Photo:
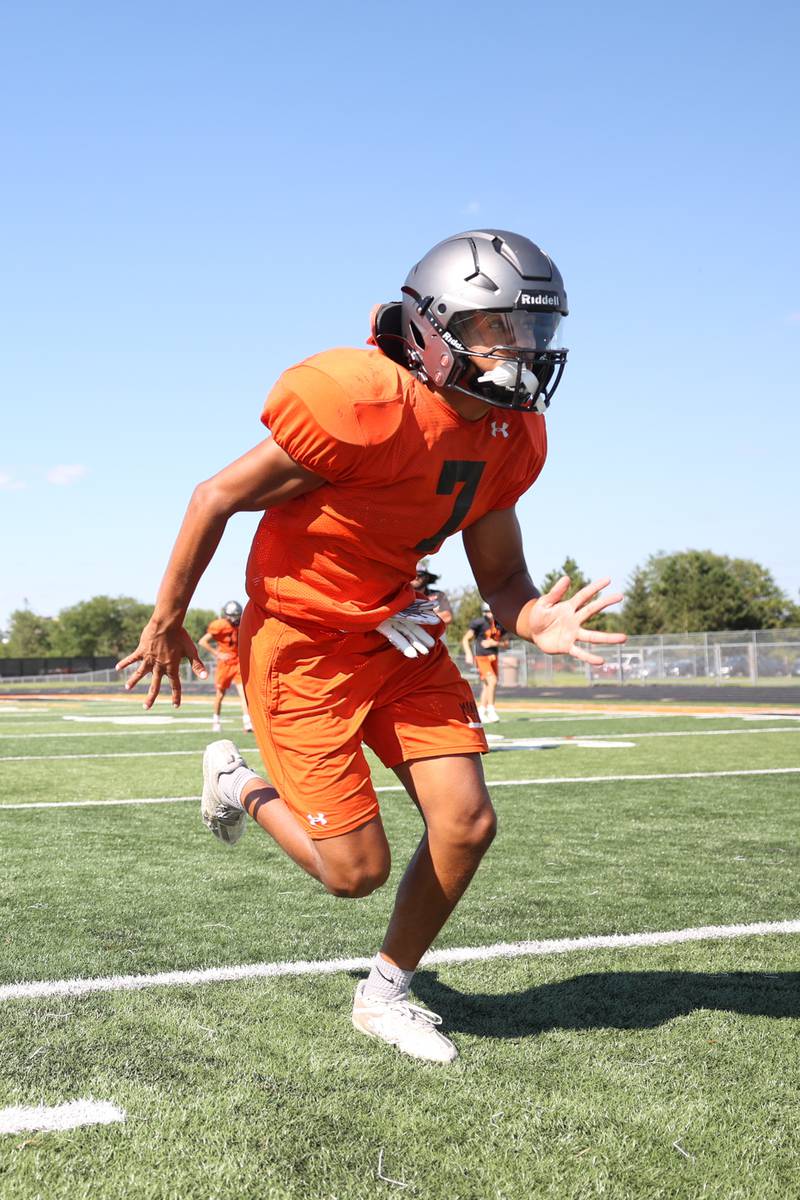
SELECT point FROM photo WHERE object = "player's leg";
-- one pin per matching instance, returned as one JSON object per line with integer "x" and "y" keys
{"x": 216, "y": 723}
{"x": 480, "y": 663}
{"x": 460, "y": 825}
{"x": 247, "y": 724}
{"x": 352, "y": 863}
{"x": 491, "y": 691}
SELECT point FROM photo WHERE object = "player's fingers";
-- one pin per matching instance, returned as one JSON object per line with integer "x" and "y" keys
{"x": 591, "y": 589}
{"x": 591, "y": 610}
{"x": 136, "y": 676}
{"x": 559, "y": 589}
{"x": 155, "y": 685}
{"x": 199, "y": 668}
{"x": 126, "y": 662}
{"x": 596, "y": 635}
{"x": 584, "y": 656}
{"x": 174, "y": 674}
{"x": 394, "y": 634}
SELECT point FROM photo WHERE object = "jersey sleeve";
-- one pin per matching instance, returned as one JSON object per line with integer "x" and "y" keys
{"x": 216, "y": 628}
{"x": 477, "y": 627}
{"x": 312, "y": 418}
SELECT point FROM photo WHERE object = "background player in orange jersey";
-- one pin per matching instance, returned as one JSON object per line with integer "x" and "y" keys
{"x": 376, "y": 457}
{"x": 221, "y": 640}
{"x": 482, "y": 644}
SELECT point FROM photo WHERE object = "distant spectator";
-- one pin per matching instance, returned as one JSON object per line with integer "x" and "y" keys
{"x": 489, "y": 639}
{"x": 422, "y": 582}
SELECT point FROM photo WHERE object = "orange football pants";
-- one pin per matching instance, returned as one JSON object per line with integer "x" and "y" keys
{"x": 316, "y": 696}
{"x": 227, "y": 672}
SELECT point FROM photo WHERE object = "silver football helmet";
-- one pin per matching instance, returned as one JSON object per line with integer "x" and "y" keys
{"x": 493, "y": 296}
{"x": 232, "y": 611}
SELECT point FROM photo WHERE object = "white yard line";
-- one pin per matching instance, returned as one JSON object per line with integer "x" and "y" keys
{"x": 160, "y": 731}
{"x": 686, "y": 733}
{"x": 614, "y": 941}
{"x": 108, "y": 754}
{"x": 514, "y": 743}
{"x": 491, "y": 783}
{"x": 72, "y": 1115}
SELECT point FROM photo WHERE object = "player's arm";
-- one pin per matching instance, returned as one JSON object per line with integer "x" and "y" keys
{"x": 208, "y": 644}
{"x": 466, "y": 645}
{"x": 554, "y": 624}
{"x": 261, "y": 478}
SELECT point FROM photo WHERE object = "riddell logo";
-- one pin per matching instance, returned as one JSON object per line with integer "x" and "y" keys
{"x": 538, "y": 300}
{"x": 452, "y": 341}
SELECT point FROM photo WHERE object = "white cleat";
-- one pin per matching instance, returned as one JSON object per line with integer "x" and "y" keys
{"x": 490, "y": 716}
{"x": 481, "y": 713}
{"x": 224, "y": 820}
{"x": 216, "y": 725}
{"x": 411, "y": 1028}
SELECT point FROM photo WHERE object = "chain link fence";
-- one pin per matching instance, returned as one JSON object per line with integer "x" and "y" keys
{"x": 760, "y": 656}
{"x": 740, "y": 656}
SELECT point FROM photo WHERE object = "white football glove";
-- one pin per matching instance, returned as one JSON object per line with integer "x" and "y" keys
{"x": 404, "y": 630}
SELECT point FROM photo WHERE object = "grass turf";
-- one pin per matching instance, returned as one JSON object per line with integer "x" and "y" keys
{"x": 593, "y": 1073}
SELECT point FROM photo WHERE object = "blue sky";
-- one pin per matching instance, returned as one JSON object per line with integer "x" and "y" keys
{"x": 194, "y": 198}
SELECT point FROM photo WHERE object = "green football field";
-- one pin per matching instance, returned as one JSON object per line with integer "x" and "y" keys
{"x": 636, "y": 1068}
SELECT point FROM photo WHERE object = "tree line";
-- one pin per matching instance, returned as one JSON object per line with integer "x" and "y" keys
{"x": 102, "y": 625}
{"x": 692, "y": 591}
{"x": 688, "y": 592}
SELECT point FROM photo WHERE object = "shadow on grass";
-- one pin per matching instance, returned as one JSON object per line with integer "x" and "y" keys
{"x": 615, "y": 1000}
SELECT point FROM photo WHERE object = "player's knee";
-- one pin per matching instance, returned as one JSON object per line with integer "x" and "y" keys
{"x": 474, "y": 832}
{"x": 359, "y": 881}
{"x": 482, "y": 829}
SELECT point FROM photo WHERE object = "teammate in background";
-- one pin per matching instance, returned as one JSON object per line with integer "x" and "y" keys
{"x": 376, "y": 457}
{"x": 225, "y": 633}
{"x": 422, "y": 582}
{"x": 489, "y": 638}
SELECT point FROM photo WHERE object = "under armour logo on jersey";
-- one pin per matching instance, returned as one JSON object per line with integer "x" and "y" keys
{"x": 319, "y": 819}
{"x": 501, "y": 429}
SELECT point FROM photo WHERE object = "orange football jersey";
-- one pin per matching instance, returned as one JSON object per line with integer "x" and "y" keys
{"x": 403, "y": 471}
{"x": 226, "y": 636}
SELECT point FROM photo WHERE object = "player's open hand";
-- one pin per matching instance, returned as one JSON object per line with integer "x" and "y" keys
{"x": 160, "y": 652}
{"x": 557, "y": 625}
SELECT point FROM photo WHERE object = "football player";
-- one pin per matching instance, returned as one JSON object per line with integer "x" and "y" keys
{"x": 489, "y": 638}
{"x": 375, "y": 457}
{"x": 221, "y": 640}
{"x": 423, "y": 582}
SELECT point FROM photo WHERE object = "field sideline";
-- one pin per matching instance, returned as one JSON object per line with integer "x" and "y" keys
{"x": 621, "y": 979}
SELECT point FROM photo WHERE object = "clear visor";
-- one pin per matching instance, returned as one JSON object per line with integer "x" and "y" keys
{"x": 516, "y": 329}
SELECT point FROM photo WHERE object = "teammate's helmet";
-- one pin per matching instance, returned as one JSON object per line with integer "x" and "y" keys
{"x": 485, "y": 608}
{"x": 493, "y": 295}
{"x": 232, "y": 611}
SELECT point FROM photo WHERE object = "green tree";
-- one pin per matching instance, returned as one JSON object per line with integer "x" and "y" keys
{"x": 102, "y": 625}
{"x": 696, "y": 590}
{"x": 466, "y": 604}
{"x": 197, "y": 621}
{"x": 639, "y": 609}
{"x": 28, "y": 635}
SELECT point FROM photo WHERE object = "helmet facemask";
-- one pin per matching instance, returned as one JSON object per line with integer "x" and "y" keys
{"x": 509, "y": 358}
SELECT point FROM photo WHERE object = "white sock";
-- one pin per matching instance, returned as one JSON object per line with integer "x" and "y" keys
{"x": 386, "y": 981}
{"x": 232, "y": 785}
